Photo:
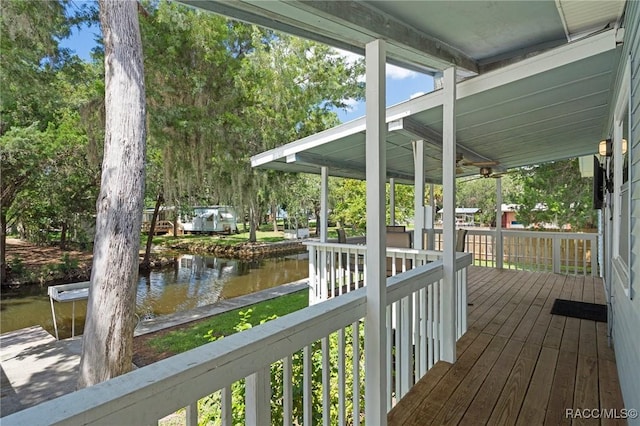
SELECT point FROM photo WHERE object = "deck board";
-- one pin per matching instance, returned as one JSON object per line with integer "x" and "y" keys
{"x": 517, "y": 363}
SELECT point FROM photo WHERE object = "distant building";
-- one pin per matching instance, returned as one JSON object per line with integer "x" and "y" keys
{"x": 465, "y": 216}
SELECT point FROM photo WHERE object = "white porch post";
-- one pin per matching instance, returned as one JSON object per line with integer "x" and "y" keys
{"x": 392, "y": 201}
{"x": 418, "y": 200}
{"x": 375, "y": 332}
{"x": 324, "y": 203}
{"x": 449, "y": 218}
{"x": 499, "y": 242}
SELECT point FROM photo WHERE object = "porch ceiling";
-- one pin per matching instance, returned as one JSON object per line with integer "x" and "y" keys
{"x": 430, "y": 36}
{"x": 549, "y": 107}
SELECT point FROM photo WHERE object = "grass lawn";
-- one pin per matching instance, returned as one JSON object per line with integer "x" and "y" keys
{"x": 224, "y": 324}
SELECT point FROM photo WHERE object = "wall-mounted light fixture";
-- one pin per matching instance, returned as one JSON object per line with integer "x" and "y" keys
{"x": 605, "y": 148}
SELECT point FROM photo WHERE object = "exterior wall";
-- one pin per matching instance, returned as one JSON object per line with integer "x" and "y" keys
{"x": 626, "y": 310}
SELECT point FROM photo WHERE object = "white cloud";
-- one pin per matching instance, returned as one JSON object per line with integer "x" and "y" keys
{"x": 351, "y": 104}
{"x": 397, "y": 73}
{"x": 349, "y": 56}
{"x": 392, "y": 71}
{"x": 415, "y": 95}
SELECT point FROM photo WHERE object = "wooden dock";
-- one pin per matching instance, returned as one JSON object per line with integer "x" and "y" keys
{"x": 517, "y": 363}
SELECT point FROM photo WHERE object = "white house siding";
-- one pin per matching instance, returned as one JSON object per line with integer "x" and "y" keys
{"x": 626, "y": 323}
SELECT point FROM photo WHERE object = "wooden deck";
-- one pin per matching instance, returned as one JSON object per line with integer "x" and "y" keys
{"x": 517, "y": 363}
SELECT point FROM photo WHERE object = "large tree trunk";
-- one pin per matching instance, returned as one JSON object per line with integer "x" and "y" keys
{"x": 152, "y": 231}
{"x": 254, "y": 221}
{"x": 63, "y": 236}
{"x": 107, "y": 346}
{"x": 3, "y": 245}
{"x": 274, "y": 217}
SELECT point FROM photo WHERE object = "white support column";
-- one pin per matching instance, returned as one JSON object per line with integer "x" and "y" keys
{"x": 324, "y": 203}
{"x": 431, "y": 245}
{"x": 449, "y": 218}
{"x": 392, "y": 201}
{"x": 499, "y": 242}
{"x": 418, "y": 194}
{"x": 375, "y": 333}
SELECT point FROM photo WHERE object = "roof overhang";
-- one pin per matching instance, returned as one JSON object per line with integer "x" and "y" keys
{"x": 549, "y": 107}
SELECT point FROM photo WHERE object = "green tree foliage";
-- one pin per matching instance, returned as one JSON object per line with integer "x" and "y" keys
{"x": 404, "y": 201}
{"x": 30, "y": 32}
{"x": 37, "y": 78}
{"x": 62, "y": 186}
{"x": 287, "y": 87}
{"x": 350, "y": 203}
{"x": 190, "y": 59}
{"x": 558, "y": 186}
{"x": 221, "y": 91}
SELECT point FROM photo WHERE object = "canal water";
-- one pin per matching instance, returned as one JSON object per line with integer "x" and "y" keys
{"x": 194, "y": 281}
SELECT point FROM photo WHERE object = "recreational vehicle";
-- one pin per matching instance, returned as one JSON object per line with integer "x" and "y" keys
{"x": 211, "y": 220}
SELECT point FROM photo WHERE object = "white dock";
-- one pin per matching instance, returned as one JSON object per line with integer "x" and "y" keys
{"x": 36, "y": 368}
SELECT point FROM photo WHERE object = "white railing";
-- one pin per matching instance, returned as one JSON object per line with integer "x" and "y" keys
{"x": 316, "y": 352}
{"x": 335, "y": 269}
{"x": 559, "y": 252}
{"x": 414, "y": 322}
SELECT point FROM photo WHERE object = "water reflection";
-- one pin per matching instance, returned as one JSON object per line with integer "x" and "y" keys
{"x": 194, "y": 281}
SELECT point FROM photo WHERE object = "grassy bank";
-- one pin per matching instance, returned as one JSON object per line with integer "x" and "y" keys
{"x": 225, "y": 324}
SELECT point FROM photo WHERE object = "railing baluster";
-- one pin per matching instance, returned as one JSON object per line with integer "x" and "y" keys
{"x": 389, "y": 324}
{"x": 356, "y": 372}
{"x": 397, "y": 324}
{"x": 424, "y": 341}
{"x": 335, "y": 271}
{"x": 417, "y": 340}
{"x": 287, "y": 391}
{"x": 437, "y": 294}
{"x": 348, "y": 269}
{"x": 575, "y": 255}
{"x": 405, "y": 356}
{"x": 226, "y": 403}
{"x": 307, "y": 396}
{"x": 326, "y": 383}
{"x": 258, "y": 397}
{"x": 342, "y": 395}
{"x": 430, "y": 333}
{"x": 191, "y": 413}
{"x": 313, "y": 285}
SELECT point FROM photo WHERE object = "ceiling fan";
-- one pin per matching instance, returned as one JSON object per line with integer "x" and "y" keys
{"x": 461, "y": 163}
{"x": 487, "y": 172}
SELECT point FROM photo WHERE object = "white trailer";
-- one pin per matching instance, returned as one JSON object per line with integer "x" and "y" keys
{"x": 211, "y": 220}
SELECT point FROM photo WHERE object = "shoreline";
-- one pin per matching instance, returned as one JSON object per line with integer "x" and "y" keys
{"x": 57, "y": 272}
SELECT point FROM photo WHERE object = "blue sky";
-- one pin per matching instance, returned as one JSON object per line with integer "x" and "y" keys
{"x": 402, "y": 84}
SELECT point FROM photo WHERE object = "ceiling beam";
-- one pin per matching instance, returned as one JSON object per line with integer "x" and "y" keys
{"x": 320, "y": 161}
{"x": 367, "y": 19}
{"x": 434, "y": 138}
